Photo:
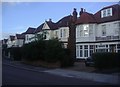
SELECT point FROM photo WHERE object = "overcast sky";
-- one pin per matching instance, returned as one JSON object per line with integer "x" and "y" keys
{"x": 18, "y": 16}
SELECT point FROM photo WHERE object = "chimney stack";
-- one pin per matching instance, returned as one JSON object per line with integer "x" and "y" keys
{"x": 74, "y": 15}
{"x": 81, "y": 11}
{"x": 50, "y": 20}
{"x": 84, "y": 10}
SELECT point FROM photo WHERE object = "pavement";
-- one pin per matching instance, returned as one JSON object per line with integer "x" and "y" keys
{"x": 113, "y": 79}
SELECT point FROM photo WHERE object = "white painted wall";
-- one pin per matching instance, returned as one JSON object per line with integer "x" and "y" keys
{"x": 29, "y": 38}
{"x": 19, "y": 42}
{"x": 10, "y": 43}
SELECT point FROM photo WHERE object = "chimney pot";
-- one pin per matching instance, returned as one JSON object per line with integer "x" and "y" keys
{"x": 50, "y": 19}
{"x": 81, "y": 11}
{"x": 84, "y": 10}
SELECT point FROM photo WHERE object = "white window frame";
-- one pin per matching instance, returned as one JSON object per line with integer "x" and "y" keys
{"x": 103, "y": 30}
{"x": 86, "y": 30}
{"x": 86, "y": 50}
{"x": 106, "y": 12}
{"x": 61, "y": 35}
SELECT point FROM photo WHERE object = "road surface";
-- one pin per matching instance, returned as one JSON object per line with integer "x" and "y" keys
{"x": 18, "y": 76}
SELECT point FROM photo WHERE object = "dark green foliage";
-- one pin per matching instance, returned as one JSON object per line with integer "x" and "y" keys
{"x": 50, "y": 51}
{"x": 53, "y": 51}
{"x": 106, "y": 60}
{"x": 33, "y": 50}
{"x": 4, "y": 50}
{"x": 15, "y": 53}
{"x": 67, "y": 60}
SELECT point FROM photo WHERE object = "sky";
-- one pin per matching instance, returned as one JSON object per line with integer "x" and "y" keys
{"x": 17, "y": 17}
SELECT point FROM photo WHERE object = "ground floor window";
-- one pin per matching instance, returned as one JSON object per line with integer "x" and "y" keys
{"x": 91, "y": 49}
{"x": 84, "y": 51}
{"x": 118, "y": 48}
{"x": 77, "y": 51}
{"x": 112, "y": 47}
{"x": 81, "y": 51}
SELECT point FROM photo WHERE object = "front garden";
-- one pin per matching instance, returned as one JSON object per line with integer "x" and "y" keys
{"x": 48, "y": 53}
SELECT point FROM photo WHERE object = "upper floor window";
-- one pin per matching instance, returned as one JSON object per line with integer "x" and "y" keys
{"x": 27, "y": 37}
{"x": 61, "y": 33}
{"x": 90, "y": 29}
{"x": 116, "y": 28}
{"x": 103, "y": 30}
{"x": 56, "y": 33}
{"x": 106, "y": 12}
{"x": 81, "y": 30}
{"x": 86, "y": 30}
{"x": 64, "y": 33}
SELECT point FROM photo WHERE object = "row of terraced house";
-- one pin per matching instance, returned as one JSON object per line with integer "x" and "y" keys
{"x": 99, "y": 32}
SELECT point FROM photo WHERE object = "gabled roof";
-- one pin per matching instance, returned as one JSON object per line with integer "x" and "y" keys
{"x": 51, "y": 25}
{"x": 30, "y": 30}
{"x": 64, "y": 21}
{"x": 20, "y": 36}
{"x": 12, "y": 37}
{"x": 39, "y": 28}
{"x": 86, "y": 18}
{"x": 115, "y": 14}
{"x": 4, "y": 41}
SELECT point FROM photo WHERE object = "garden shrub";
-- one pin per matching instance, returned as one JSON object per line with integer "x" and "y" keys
{"x": 53, "y": 51}
{"x": 106, "y": 60}
{"x": 33, "y": 51}
{"x": 50, "y": 51}
{"x": 15, "y": 53}
{"x": 67, "y": 60}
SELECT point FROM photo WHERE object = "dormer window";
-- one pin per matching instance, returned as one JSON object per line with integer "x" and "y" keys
{"x": 106, "y": 12}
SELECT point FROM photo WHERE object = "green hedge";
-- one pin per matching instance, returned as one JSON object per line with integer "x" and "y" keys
{"x": 67, "y": 61}
{"x": 15, "y": 53}
{"x": 106, "y": 60}
{"x": 50, "y": 51}
{"x": 33, "y": 51}
{"x": 53, "y": 51}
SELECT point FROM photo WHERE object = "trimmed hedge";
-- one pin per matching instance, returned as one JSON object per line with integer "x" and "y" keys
{"x": 106, "y": 60}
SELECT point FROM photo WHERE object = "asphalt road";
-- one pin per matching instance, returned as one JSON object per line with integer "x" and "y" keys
{"x": 18, "y": 76}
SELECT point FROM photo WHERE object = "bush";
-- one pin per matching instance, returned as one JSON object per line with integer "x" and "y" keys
{"x": 15, "y": 53}
{"x": 50, "y": 51}
{"x": 53, "y": 51}
{"x": 106, "y": 60}
{"x": 67, "y": 60}
{"x": 33, "y": 51}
